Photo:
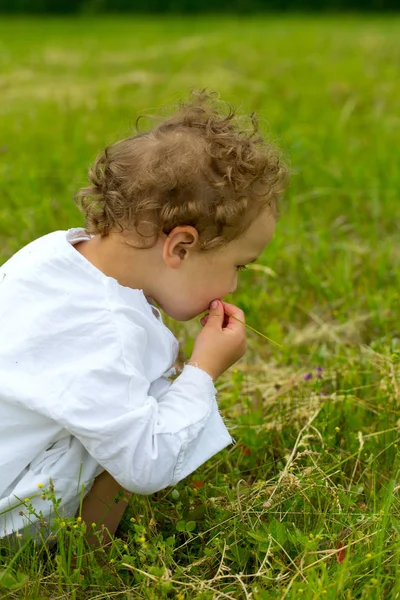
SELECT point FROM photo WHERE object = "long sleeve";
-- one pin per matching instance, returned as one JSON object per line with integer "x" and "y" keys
{"x": 145, "y": 443}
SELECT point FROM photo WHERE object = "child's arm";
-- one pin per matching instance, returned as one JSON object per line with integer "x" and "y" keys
{"x": 145, "y": 443}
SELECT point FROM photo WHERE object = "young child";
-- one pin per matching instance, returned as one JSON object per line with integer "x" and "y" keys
{"x": 86, "y": 403}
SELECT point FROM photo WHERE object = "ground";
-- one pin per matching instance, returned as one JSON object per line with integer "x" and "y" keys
{"x": 306, "y": 503}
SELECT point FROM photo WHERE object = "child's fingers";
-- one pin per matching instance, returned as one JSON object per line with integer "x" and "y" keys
{"x": 204, "y": 319}
{"x": 234, "y": 311}
{"x": 226, "y": 321}
{"x": 234, "y": 317}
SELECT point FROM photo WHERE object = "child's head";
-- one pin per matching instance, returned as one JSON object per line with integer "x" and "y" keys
{"x": 198, "y": 192}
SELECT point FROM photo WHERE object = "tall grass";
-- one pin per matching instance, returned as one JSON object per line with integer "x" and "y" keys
{"x": 306, "y": 503}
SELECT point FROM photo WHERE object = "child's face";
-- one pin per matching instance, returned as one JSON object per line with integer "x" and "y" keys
{"x": 191, "y": 279}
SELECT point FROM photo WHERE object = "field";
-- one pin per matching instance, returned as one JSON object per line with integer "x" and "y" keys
{"x": 306, "y": 503}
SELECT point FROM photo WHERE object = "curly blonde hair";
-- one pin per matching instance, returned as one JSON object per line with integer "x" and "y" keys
{"x": 200, "y": 167}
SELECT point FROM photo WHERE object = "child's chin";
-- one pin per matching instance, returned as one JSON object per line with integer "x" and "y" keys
{"x": 182, "y": 315}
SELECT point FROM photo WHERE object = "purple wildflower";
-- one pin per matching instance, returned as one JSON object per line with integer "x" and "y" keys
{"x": 307, "y": 376}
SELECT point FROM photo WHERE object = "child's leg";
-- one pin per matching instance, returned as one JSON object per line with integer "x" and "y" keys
{"x": 104, "y": 505}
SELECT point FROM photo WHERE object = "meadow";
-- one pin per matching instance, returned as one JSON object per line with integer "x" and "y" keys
{"x": 306, "y": 503}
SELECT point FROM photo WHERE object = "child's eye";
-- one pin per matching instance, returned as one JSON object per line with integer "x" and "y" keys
{"x": 241, "y": 267}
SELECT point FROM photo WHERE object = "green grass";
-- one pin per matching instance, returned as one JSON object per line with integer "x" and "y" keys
{"x": 306, "y": 503}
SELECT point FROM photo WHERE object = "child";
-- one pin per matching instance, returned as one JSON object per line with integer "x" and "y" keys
{"x": 86, "y": 406}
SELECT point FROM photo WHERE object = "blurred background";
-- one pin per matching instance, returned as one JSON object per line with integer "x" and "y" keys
{"x": 325, "y": 84}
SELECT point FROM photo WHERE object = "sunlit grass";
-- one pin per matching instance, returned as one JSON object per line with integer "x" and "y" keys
{"x": 306, "y": 503}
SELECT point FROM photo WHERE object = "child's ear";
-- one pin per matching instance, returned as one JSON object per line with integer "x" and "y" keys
{"x": 178, "y": 244}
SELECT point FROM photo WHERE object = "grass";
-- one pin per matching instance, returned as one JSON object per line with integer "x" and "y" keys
{"x": 306, "y": 503}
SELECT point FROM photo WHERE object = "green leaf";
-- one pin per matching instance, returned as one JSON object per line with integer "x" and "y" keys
{"x": 278, "y": 531}
{"x": 190, "y": 526}
{"x": 181, "y": 526}
{"x": 9, "y": 581}
{"x": 170, "y": 541}
{"x": 258, "y": 536}
{"x": 157, "y": 571}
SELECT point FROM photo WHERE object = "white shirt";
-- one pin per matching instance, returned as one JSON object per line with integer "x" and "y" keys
{"x": 83, "y": 386}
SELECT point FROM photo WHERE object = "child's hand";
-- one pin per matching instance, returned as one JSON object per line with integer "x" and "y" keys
{"x": 222, "y": 340}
